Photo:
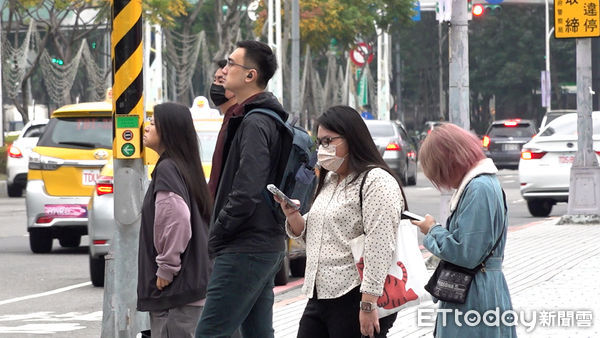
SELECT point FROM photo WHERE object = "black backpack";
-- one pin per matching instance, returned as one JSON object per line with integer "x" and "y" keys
{"x": 296, "y": 176}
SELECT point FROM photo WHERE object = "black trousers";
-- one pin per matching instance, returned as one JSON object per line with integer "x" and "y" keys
{"x": 337, "y": 318}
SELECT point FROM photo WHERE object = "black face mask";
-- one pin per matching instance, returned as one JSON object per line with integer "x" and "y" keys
{"x": 217, "y": 94}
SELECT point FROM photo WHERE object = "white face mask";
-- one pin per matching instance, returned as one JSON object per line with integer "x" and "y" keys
{"x": 328, "y": 159}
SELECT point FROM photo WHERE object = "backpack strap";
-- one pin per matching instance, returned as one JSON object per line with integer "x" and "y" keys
{"x": 272, "y": 114}
{"x": 362, "y": 184}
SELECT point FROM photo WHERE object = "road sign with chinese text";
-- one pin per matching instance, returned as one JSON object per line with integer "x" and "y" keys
{"x": 576, "y": 19}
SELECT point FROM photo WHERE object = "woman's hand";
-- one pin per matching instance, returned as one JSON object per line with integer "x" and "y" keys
{"x": 293, "y": 216}
{"x": 287, "y": 209}
{"x": 369, "y": 323}
{"x": 425, "y": 225}
{"x": 161, "y": 283}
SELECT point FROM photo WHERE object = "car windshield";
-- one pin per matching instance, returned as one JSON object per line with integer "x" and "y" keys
{"x": 567, "y": 126}
{"x": 207, "y": 142}
{"x": 78, "y": 132}
{"x": 521, "y": 130}
{"x": 381, "y": 130}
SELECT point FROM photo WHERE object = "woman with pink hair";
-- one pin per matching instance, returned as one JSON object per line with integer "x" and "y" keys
{"x": 452, "y": 158}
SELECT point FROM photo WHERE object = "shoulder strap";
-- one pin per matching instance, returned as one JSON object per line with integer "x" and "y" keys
{"x": 501, "y": 233}
{"x": 270, "y": 113}
{"x": 362, "y": 183}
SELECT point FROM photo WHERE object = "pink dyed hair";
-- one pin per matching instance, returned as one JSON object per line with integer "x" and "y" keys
{"x": 448, "y": 153}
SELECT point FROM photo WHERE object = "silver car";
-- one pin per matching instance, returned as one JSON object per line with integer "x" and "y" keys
{"x": 18, "y": 156}
{"x": 396, "y": 148}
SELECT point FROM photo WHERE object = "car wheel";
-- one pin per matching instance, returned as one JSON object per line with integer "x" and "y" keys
{"x": 283, "y": 275}
{"x": 412, "y": 180}
{"x": 71, "y": 241}
{"x": 297, "y": 266}
{"x": 97, "y": 270}
{"x": 539, "y": 208}
{"x": 15, "y": 190}
{"x": 40, "y": 240}
{"x": 405, "y": 175}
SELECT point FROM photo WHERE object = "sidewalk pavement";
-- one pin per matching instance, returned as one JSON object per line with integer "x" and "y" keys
{"x": 553, "y": 273}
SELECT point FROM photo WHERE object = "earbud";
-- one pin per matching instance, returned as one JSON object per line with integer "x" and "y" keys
{"x": 249, "y": 75}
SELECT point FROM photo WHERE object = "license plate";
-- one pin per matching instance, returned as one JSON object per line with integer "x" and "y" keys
{"x": 510, "y": 147}
{"x": 566, "y": 159}
{"x": 66, "y": 210}
{"x": 89, "y": 177}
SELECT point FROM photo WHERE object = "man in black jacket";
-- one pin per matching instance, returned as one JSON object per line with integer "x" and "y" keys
{"x": 246, "y": 239}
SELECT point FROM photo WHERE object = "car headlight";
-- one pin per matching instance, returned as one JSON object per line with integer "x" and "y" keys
{"x": 39, "y": 162}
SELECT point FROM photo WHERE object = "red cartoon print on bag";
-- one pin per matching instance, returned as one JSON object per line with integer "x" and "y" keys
{"x": 394, "y": 289}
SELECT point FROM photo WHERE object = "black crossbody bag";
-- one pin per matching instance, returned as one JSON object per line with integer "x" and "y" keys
{"x": 451, "y": 282}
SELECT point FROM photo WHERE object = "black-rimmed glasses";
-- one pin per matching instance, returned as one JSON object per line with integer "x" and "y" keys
{"x": 324, "y": 141}
{"x": 230, "y": 63}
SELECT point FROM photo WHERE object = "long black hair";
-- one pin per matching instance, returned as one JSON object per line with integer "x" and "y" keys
{"x": 362, "y": 152}
{"x": 175, "y": 127}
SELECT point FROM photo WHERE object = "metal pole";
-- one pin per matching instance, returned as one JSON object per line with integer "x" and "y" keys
{"x": 383, "y": 82}
{"x": 295, "y": 65}
{"x": 441, "y": 71}
{"x": 459, "y": 65}
{"x": 548, "y": 79}
{"x": 120, "y": 317}
{"x": 584, "y": 189}
{"x": 278, "y": 52}
{"x": 398, "y": 78}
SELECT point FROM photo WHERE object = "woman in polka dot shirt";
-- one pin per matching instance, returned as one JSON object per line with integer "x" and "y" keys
{"x": 340, "y": 304}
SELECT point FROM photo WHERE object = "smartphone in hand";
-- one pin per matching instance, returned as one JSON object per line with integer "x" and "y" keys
{"x": 275, "y": 191}
{"x": 412, "y": 216}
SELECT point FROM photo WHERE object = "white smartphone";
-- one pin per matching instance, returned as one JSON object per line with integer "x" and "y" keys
{"x": 275, "y": 191}
{"x": 411, "y": 216}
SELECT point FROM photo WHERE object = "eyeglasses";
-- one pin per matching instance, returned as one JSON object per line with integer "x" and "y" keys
{"x": 324, "y": 141}
{"x": 230, "y": 63}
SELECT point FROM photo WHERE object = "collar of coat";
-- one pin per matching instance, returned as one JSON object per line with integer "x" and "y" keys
{"x": 485, "y": 166}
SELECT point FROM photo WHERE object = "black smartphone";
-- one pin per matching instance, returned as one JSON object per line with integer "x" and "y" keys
{"x": 412, "y": 216}
{"x": 275, "y": 191}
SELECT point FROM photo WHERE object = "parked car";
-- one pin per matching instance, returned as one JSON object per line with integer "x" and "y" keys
{"x": 101, "y": 222}
{"x": 18, "y": 156}
{"x": 396, "y": 148}
{"x": 504, "y": 139}
{"x": 545, "y": 165}
{"x": 63, "y": 168}
{"x": 553, "y": 114}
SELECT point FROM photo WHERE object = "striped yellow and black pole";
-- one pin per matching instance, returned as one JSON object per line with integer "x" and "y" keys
{"x": 127, "y": 61}
{"x": 120, "y": 317}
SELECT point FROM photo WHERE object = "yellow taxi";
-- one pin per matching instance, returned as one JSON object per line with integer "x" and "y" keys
{"x": 63, "y": 169}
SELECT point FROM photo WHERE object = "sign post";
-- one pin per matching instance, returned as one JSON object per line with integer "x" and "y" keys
{"x": 120, "y": 317}
{"x": 580, "y": 19}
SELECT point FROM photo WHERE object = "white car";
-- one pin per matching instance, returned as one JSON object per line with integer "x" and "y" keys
{"x": 18, "y": 156}
{"x": 545, "y": 164}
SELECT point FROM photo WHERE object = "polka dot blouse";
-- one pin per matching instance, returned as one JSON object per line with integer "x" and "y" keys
{"x": 335, "y": 218}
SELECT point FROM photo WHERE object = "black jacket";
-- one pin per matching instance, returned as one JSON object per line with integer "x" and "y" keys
{"x": 242, "y": 220}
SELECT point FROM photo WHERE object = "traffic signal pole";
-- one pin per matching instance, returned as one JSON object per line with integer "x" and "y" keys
{"x": 458, "y": 65}
{"x": 120, "y": 317}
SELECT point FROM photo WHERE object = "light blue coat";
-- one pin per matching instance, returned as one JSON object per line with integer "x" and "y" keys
{"x": 473, "y": 230}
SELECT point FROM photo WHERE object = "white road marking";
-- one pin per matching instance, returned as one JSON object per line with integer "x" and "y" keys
{"x": 518, "y": 201}
{"x": 47, "y": 293}
{"x": 41, "y": 328}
